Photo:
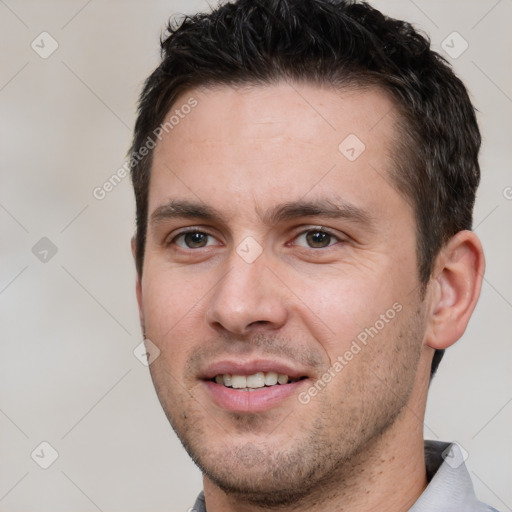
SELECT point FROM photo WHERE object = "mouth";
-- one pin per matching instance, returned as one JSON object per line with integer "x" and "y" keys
{"x": 252, "y": 386}
{"x": 255, "y": 381}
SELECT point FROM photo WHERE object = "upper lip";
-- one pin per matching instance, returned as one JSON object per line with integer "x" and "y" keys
{"x": 250, "y": 367}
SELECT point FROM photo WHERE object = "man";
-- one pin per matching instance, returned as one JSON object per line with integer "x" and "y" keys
{"x": 305, "y": 173}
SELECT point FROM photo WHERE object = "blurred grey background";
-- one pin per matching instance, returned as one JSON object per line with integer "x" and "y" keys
{"x": 70, "y": 76}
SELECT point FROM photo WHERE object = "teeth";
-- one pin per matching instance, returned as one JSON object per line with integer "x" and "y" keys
{"x": 282, "y": 379}
{"x": 270, "y": 378}
{"x": 239, "y": 381}
{"x": 255, "y": 381}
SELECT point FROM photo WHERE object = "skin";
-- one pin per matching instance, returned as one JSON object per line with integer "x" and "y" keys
{"x": 243, "y": 153}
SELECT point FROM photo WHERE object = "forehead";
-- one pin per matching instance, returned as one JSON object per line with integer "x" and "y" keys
{"x": 284, "y": 141}
{"x": 295, "y": 113}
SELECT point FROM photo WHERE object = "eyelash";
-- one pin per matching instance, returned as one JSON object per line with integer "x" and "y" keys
{"x": 301, "y": 233}
{"x": 188, "y": 232}
{"x": 319, "y": 230}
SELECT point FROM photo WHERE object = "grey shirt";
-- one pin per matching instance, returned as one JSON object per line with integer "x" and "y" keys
{"x": 449, "y": 488}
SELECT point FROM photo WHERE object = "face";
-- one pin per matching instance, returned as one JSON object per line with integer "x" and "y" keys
{"x": 278, "y": 249}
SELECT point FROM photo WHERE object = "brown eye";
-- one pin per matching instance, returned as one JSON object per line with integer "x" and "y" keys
{"x": 194, "y": 240}
{"x": 318, "y": 239}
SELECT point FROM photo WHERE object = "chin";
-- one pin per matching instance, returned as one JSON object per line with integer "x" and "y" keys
{"x": 276, "y": 473}
{"x": 249, "y": 477}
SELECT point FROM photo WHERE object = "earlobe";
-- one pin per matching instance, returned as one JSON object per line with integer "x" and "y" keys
{"x": 454, "y": 289}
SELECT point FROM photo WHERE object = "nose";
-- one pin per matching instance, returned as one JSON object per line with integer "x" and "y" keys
{"x": 248, "y": 298}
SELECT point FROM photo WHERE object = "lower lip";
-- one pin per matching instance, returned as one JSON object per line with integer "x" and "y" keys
{"x": 261, "y": 399}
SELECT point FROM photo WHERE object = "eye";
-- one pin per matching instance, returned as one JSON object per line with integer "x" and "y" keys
{"x": 193, "y": 240}
{"x": 316, "y": 239}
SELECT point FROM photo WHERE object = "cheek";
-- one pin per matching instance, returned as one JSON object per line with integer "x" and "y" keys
{"x": 168, "y": 294}
{"x": 338, "y": 310}
{"x": 171, "y": 307}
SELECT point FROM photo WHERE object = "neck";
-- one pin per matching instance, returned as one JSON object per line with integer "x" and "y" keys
{"x": 387, "y": 475}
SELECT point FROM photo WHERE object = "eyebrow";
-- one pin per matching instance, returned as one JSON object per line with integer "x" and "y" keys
{"x": 178, "y": 208}
{"x": 318, "y": 208}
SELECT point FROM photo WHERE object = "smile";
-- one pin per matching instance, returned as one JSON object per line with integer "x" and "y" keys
{"x": 254, "y": 381}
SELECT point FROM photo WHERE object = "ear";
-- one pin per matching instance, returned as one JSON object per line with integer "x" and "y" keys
{"x": 454, "y": 289}
{"x": 138, "y": 287}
